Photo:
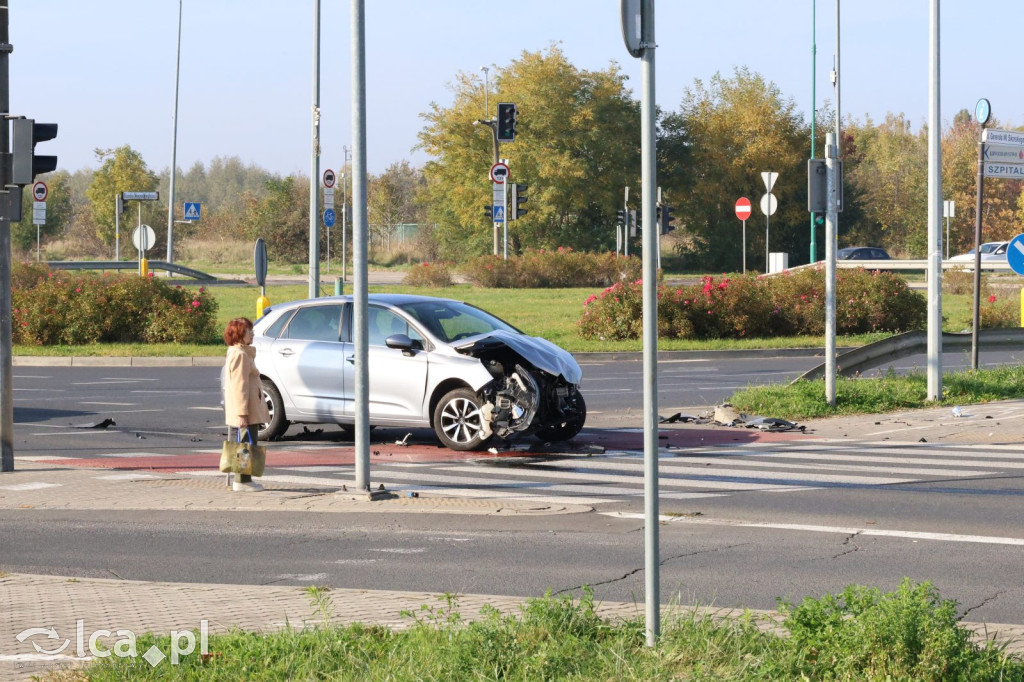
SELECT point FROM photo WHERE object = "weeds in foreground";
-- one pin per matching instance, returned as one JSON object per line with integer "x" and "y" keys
{"x": 911, "y": 634}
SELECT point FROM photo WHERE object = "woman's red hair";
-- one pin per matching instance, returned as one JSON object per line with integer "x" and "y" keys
{"x": 234, "y": 333}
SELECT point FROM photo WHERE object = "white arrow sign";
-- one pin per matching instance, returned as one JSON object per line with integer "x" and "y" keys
{"x": 769, "y": 180}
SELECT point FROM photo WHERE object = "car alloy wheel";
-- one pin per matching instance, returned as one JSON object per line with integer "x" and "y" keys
{"x": 459, "y": 420}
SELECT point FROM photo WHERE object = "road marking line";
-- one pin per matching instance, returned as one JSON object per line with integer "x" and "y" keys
{"x": 871, "y": 532}
{"x": 638, "y": 480}
{"x": 94, "y": 402}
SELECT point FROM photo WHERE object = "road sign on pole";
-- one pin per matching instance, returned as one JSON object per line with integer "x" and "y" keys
{"x": 40, "y": 191}
{"x": 743, "y": 212}
{"x": 1015, "y": 254}
{"x": 499, "y": 172}
{"x": 39, "y": 213}
{"x": 329, "y": 178}
{"x": 329, "y": 217}
{"x": 743, "y": 208}
{"x": 193, "y": 210}
{"x": 769, "y": 178}
{"x": 1003, "y": 137}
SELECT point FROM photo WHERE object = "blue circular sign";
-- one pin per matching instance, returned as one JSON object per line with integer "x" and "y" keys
{"x": 1015, "y": 254}
{"x": 982, "y": 111}
{"x": 329, "y": 217}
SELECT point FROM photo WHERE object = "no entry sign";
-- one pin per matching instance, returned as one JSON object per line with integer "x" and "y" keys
{"x": 743, "y": 208}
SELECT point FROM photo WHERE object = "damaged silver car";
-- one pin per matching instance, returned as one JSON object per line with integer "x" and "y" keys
{"x": 433, "y": 362}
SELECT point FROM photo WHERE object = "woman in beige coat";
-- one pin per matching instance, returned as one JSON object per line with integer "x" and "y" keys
{"x": 244, "y": 408}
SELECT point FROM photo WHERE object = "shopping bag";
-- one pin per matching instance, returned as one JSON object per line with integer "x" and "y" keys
{"x": 238, "y": 457}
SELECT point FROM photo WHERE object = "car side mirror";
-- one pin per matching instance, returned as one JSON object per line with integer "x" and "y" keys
{"x": 403, "y": 343}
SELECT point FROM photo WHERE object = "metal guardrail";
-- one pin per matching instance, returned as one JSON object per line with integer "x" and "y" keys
{"x": 922, "y": 264}
{"x": 198, "y": 275}
{"x": 874, "y": 354}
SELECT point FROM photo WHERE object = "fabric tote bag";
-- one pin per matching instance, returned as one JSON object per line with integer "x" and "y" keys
{"x": 238, "y": 457}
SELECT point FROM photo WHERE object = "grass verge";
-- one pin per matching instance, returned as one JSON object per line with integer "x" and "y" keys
{"x": 910, "y": 634}
{"x": 886, "y": 392}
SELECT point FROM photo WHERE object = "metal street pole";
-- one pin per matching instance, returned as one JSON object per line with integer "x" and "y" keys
{"x": 174, "y": 150}
{"x": 934, "y": 214}
{"x": 814, "y": 105}
{"x": 314, "y": 165}
{"x": 118, "y": 206}
{"x": 832, "y": 175}
{"x": 344, "y": 212}
{"x": 976, "y": 316}
{"x": 652, "y": 587}
{"x": 486, "y": 70}
{"x": 6, "y": 351}
{"x": 839, "y": 136}
{"x": 359, "y": 263}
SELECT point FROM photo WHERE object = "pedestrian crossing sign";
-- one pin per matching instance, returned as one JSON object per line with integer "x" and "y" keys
{"x": 499, "y": 214}
{"x": 193, "y": 210}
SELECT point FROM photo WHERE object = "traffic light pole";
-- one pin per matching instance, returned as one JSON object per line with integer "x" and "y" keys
{"x": 6, "y": 386}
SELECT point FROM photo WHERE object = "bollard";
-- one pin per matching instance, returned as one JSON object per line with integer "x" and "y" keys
{"x": 261, "y": 303}
{"x": 339, "y": 287}
{"x": 143, "y": 267}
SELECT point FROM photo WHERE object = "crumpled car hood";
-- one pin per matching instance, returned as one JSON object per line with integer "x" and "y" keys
{"x": 537, "y": 351}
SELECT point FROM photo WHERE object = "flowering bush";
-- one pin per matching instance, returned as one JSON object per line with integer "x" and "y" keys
{"x": 563, "y": 267}
{"x": 997, "y": 312}
{"x": 429, "y": 275}
{"x": 757, "y": 306}
{"x": 61, "y": 307}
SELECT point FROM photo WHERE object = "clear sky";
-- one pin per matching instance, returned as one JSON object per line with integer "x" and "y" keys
{"x": 104, "y": 69}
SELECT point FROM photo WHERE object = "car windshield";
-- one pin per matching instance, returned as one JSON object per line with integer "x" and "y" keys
{"x": 452, "y": 320}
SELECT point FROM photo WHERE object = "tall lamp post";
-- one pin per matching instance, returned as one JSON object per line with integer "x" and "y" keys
{"x": 487, "y": 88}
{"x": 174, "y": 149}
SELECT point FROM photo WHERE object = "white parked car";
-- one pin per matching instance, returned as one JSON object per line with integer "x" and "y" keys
{"x": 989, "y": 251}
{"x": 433, "y": 362}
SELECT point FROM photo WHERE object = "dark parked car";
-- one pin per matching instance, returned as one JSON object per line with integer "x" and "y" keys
{"x": 862, "y": 253}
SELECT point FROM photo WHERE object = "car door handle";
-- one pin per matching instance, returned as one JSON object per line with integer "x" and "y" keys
{"x": 351, "y": 359}
{"x": 287, "y": 352}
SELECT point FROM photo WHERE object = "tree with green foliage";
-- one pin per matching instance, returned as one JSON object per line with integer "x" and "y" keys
{"x": 59, "y": 213}
{"x": 891, "y": 171}
{"x": 577, "y": 146}
{"x": 713, "y": 151}
{"x": 392, "y": 199}
{"x": 122, "y": 170}
{"x": 281, "y": 218}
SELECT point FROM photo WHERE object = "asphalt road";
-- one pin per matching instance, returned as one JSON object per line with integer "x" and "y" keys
{"x": 750, "y": 521}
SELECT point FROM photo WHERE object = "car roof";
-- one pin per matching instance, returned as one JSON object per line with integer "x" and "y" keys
{"x": 388, "y": 299}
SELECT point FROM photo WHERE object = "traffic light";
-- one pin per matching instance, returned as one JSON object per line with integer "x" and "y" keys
{"x": 620, "y": 218}
{"x": 819, "y": 218}
{"x": 516, "y": 199}
{"x": 26, "y": 164}
{"x": 487, "y": 211}
{"x": 636, "y": 223}
{"x": 665, "y": 218}
{"x": 508, "y": 116}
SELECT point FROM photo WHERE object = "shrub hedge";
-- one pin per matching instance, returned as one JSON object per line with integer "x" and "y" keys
{"x": 562, "y": 268}
{"x": 56, "y": 307}
{"x": 755, "y": 306}
{"x": 437, "y": 275}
